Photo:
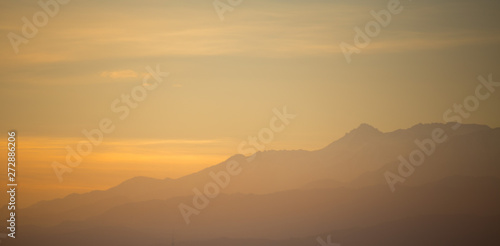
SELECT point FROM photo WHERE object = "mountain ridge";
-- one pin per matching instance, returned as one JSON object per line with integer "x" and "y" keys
{"x": 342, "y": 161}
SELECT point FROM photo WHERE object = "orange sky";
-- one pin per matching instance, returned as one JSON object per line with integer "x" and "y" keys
{"x": 226, "y": 78}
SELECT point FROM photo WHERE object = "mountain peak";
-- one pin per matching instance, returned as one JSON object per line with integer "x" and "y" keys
{"x": 365, "y": 129}
{"x": 362, "y": 132}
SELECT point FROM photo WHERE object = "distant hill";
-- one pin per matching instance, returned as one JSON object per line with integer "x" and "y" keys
{"x": 294, "y": 193}
{"x": 345, "y": 213}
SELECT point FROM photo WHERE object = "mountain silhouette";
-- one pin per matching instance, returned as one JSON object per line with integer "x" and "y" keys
{"x": 280, "y": 195}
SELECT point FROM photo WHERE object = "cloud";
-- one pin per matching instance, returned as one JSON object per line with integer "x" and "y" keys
{"x": 121, "y": 74}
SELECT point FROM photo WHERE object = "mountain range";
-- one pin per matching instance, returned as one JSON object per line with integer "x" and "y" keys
{"x": 293, "y": 197}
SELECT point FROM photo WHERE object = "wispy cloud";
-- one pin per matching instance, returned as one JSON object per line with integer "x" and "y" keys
{"x": 121, "y": 74}
{"x": 305, "y": 29}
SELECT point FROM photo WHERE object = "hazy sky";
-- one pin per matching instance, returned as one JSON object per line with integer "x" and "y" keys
{"x": 226, "y": 77}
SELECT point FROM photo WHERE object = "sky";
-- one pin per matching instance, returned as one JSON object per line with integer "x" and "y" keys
{"x": 225, "y": 79}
